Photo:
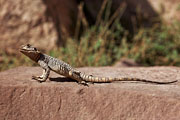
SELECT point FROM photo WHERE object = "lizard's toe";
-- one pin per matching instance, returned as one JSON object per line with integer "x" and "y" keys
{"x": 38, "y": 78}
{"x": 83, "y": 83}
{"x": 34, "y": 77}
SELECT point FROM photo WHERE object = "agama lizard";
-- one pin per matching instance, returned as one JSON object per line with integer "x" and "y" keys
{"x": 49, "y": 63}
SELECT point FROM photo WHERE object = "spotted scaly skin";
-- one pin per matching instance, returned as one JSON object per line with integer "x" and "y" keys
{"x": 49, "y": 63}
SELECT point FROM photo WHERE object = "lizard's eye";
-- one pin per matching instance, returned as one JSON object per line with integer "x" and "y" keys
{"x": 35, "y": 49}
{"x": 28, "y": 45}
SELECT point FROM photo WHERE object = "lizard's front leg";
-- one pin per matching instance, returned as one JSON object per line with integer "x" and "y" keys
{"x": 44, "y": 76}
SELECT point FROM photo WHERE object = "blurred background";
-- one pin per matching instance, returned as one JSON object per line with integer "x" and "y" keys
{"x": 92, "y": 32}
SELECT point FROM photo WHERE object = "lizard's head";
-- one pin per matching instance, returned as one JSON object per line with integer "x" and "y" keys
{"x": 30, "y": 51}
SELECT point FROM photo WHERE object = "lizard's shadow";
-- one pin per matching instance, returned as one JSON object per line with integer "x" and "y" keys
{"x": 65, "y": 79}
{"x": 62, "y": 79}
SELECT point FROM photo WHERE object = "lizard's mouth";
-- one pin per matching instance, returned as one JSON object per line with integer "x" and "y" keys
{"x": 26, "y": 51}
{"x": 23, "y": 50}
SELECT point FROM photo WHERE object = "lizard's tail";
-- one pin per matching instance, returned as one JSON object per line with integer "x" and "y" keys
{"x": 90, "y": 78}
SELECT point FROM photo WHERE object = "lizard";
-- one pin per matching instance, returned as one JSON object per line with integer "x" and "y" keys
{"x": 49, "y": 63}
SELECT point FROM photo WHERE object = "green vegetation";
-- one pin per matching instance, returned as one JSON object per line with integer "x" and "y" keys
{"x": 8, "y": 61}
{"x": 107, "y": 42}
{"x": 159, "y": 45}
{"x": 178, "y": 7}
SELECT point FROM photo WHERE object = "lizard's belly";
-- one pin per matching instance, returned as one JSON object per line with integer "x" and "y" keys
{"x": 61, "y": 69}
{"x": 62, "y": 72}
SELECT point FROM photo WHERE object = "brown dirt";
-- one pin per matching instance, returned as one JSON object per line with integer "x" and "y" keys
{"x": 23, "y": 98}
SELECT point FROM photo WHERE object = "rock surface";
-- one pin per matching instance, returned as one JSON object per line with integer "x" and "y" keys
{"x": 24, "y": 99}
{"x": 64, "y": 14}
{"x": 170, "y": 9}
{"x": 25, "y": 22}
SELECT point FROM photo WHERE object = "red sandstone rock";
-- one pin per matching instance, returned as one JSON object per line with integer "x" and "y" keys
{"x": 170, "y": 9}
{"x": 24, "y": 99}
{"x": 25, "y": 21}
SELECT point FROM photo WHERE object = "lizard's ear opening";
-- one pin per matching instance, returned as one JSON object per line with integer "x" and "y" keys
{"x": 35, "y": 49}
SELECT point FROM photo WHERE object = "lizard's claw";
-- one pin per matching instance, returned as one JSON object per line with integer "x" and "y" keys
{"x": 37, "y": 78}
{"x": 83, "y": 83}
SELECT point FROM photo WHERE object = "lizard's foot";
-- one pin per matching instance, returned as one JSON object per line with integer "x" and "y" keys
{"x": 83, "y": 83}
{"x": 38, "y": 78}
